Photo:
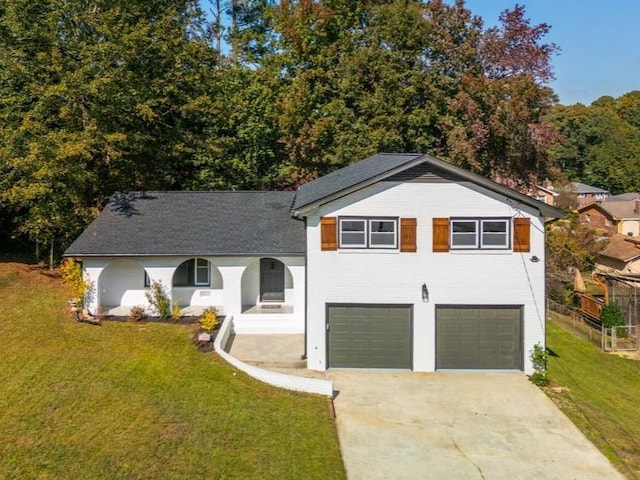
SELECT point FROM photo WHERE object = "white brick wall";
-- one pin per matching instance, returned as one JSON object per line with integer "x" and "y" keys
{"x": 473, "y": 277}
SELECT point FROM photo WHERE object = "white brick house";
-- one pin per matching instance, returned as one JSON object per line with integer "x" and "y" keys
{"x": 397, "y": 261}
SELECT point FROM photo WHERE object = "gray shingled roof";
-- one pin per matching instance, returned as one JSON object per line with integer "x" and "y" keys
{"x": 577, "y": 187}
{"x": 350, "y": 176}
{"x": 623, "y": 197}
{"x": 194, "y": 223}
{"x": 383, "y": 165}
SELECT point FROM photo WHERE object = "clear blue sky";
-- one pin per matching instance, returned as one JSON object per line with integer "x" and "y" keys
{"x": 600, "y": 42}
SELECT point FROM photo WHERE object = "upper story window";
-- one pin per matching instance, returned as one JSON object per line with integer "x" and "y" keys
{"x": 193, "y": 272}
{"x": 368, "y": 233}
{"x": 489, "y": 233}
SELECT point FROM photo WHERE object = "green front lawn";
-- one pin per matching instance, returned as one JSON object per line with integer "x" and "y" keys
{"x": 603, "y": 397}
{"x": 129, "y": 400}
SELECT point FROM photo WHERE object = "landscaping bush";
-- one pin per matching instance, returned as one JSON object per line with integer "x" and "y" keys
{"x": 71, "y": 273}
{"x": 209, "y": 319}
{"x": 176, "y": 312}
{"x": 539, "y": 360}
{"x": 611, "y": 315}
{"x": 137, "y": 314}
{"x": 157, "y": 297}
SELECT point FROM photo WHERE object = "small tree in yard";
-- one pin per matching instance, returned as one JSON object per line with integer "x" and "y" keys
{"x": 611, "y": 315}
{"x": 539, "y": 360}
{"x": 158, "y": 299}
{"x": 81, "y": 289}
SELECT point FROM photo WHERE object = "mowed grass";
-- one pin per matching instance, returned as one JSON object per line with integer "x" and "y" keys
{"x": 603, "y": 397}
{"x": 128, "y": 400}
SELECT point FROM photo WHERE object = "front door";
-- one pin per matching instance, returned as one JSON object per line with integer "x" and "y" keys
{"x": 271, "y": 280}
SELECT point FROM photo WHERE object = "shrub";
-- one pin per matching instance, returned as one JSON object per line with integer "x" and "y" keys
{"x": 176, "y": 314}
{"x": 611, "y": 315}
{"x": 71, "y": 273}
{"x": 137, "y": 314}
{"x": 158, "y": 299}
{"x": 539, "y": 360}
{"x": 209, "y": 319}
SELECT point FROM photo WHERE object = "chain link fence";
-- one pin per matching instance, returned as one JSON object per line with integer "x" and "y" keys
{"x": 616, "y": 339}
{"x": 581, "y": 325}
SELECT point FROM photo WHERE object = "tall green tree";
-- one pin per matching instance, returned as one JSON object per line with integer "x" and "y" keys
{"x": 96, "y": 96}
{"x": 601, "y": 142}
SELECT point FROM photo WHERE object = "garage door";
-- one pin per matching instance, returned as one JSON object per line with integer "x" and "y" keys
{"x": 483, "y": 337}
{"x": 369, "y": 336}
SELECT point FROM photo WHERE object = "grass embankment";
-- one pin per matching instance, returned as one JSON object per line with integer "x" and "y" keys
{"x": 603, "y": 397}
{"x": 128, "y": 400}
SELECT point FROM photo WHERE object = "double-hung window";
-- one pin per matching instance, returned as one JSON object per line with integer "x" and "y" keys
{"x": 480, "y": 233}
{"x": 202, "y": 271}
{"x": 193, "y": 272}
{"x": 353, "y": 233}
{"x": 368, "y": 233}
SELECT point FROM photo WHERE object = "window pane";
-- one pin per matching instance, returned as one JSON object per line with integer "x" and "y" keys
{"x": 352, "y": 225}
{"x": 383, "y": 239}
{"x": 494, "y": 226}
{"x": 464, "y": 226}
{"x": 463, "y": 240}
{"x": 202, "y": 262}
{"x": 352, "y": 238}
{"x": 383, "y": 226}
{"x": 184, "y": 274}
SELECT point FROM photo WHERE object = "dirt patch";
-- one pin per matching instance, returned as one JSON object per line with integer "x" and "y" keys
{"x": 35, "y": 273}
{"x": 635, "y": 355}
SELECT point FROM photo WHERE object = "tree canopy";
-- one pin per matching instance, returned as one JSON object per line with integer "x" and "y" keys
{"x": 98, "y": 96}
{"x": 601, "y": 142}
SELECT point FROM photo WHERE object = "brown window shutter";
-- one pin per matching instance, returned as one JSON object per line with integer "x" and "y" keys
{"x": 328, "y": 233}
{"x": 440, "y": 234}
{"x": 408, "y": 235}
{"x": 521, "y": 234}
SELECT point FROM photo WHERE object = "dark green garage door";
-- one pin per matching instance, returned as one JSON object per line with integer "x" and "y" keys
{"x": 483, "y": 337}
{"x": 369, "y": 336}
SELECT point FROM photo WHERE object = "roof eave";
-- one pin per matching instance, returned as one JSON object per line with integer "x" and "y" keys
{"x": 122, "y": 255}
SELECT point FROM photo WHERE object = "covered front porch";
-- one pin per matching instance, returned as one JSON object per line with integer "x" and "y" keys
{"x": 265, "y": 294}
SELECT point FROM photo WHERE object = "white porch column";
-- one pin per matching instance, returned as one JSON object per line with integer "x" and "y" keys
{"x": 232, "y": 284}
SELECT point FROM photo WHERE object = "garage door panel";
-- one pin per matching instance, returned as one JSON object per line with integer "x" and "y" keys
{"x": 369, "y": 336}
{"x": 471, "y": 337}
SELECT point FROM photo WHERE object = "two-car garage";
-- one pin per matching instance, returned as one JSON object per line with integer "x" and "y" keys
{"x": 466, "y": 336}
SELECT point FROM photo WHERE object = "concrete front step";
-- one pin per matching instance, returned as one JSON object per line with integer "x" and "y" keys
{"x": 300, "y": 364}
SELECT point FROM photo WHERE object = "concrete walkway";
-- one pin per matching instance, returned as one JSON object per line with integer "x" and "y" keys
{"x": 457, "y": 426}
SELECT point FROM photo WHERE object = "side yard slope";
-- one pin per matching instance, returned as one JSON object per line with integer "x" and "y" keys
{"x": 602, "y": 396}
{"x": 133, "y": 400}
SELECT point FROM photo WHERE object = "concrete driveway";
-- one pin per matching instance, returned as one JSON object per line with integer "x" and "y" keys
{"x": 457, "y": 425}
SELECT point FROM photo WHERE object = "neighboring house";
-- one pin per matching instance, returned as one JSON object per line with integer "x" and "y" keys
{"x": 587, "y": 194}
{"x": 621, "y": 256}
{"x": 624, "y": 196}
{"x": 614, "y": 217}
{"x": 398, "y": 261}
{"x": 544, "y": 193}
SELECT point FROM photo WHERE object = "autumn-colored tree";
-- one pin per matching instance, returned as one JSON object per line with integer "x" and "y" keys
{"x": 411, "y": 76}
